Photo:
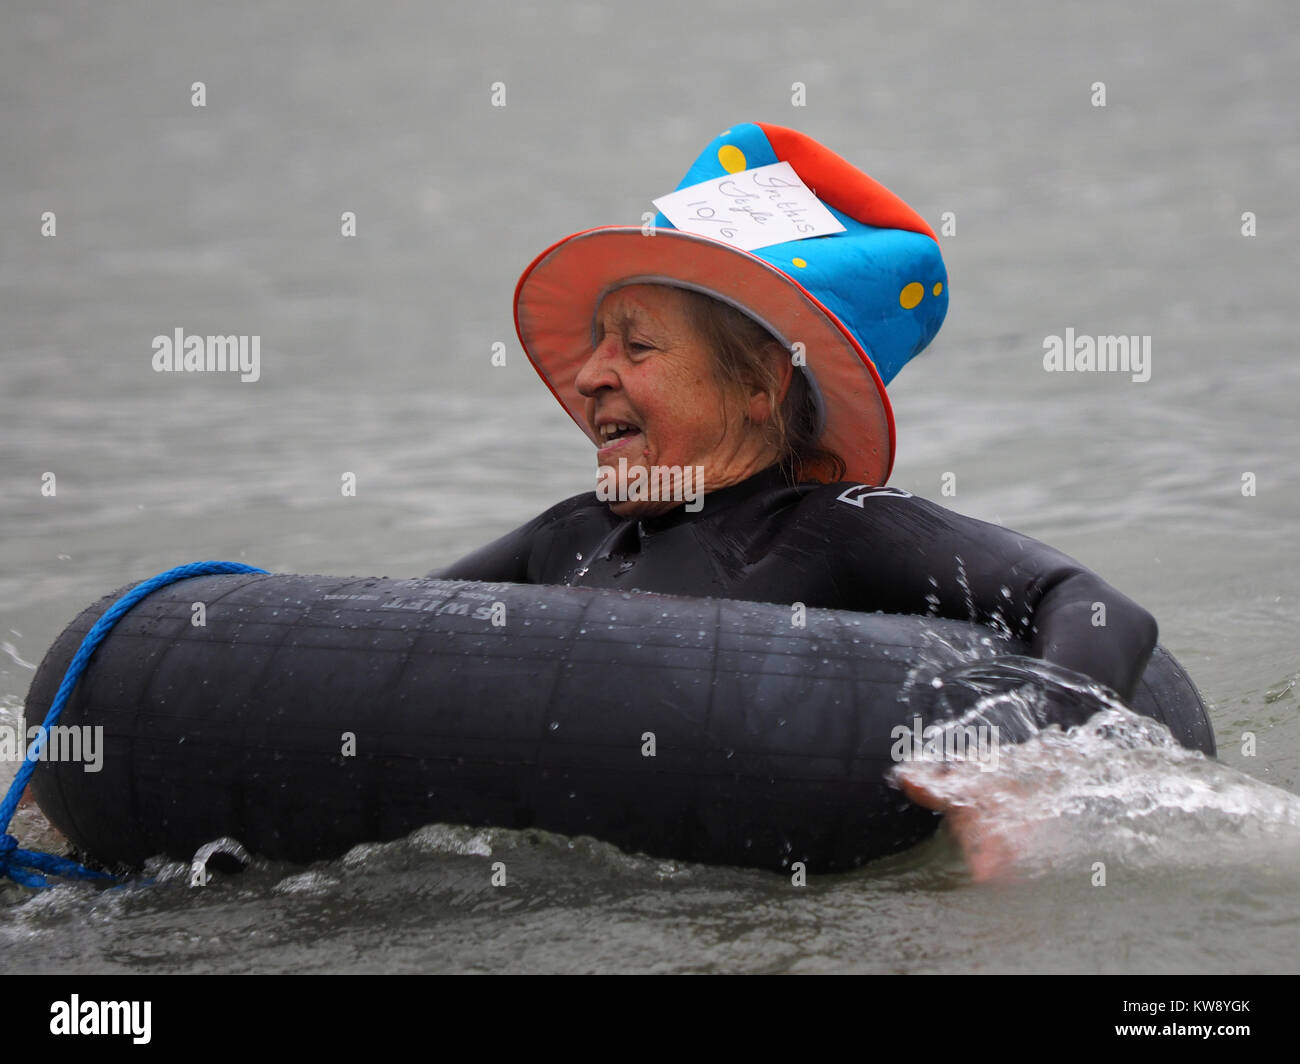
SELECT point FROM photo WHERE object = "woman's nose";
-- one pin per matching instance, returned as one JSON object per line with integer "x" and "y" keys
{"x": 599, "y": 370}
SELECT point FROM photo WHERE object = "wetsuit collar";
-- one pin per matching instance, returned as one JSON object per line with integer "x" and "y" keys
{"x": 715, "y": 501}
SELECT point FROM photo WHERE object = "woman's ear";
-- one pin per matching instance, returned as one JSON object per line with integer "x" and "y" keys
{"x": 765, "y": 397}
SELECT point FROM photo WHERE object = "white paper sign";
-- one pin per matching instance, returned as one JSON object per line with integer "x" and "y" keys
{"x": 751, "y": 209}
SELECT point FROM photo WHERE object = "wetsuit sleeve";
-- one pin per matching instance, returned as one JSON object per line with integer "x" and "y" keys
{"x": 506, "y": 560}
{"x": 921, "y": 558}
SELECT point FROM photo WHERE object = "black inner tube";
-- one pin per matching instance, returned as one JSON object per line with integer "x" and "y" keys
{"x": 310, "y": 713}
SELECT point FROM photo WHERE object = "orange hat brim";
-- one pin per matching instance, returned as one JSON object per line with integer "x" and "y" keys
{"x": 558, "y": 294}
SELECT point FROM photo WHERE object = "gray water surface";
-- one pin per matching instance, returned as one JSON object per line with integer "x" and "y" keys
{"x": 376, "y": 359}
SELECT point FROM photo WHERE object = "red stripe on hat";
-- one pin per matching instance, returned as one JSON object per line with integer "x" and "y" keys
{"x": 839, "y": 183}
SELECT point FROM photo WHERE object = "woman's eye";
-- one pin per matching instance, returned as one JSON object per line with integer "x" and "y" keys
{"x": 638, "y": 346}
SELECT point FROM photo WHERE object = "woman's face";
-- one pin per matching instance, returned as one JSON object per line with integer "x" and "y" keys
{"x": 654, "y": 400}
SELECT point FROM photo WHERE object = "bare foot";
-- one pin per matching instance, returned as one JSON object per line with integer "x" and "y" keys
{"x": 33, "y": 831}
{"x": 983, "y": 812}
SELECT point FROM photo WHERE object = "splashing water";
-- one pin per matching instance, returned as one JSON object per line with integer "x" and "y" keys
{"x": 1116, "y": 788}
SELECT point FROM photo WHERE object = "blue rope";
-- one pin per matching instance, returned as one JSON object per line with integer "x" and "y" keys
{"x": 15, "y": 861}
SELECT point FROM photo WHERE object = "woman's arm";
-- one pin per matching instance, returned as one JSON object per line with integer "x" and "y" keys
{"x": 1083, "y": 623}
{"x": 917, "y": 557}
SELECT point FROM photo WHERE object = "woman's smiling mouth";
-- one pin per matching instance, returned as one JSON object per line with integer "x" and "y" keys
{"x": 617, "y": 438}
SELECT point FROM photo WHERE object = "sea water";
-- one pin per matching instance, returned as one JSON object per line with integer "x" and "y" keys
{"x": 461, "y": 143}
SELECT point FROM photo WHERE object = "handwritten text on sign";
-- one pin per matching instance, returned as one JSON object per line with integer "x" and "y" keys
{"x": 752, "y": 209}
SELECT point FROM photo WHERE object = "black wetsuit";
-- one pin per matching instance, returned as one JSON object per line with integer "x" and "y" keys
{"x": 839, "y": 546}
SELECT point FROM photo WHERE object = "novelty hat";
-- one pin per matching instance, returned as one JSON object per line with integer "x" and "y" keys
{"x": 839, "y": 269}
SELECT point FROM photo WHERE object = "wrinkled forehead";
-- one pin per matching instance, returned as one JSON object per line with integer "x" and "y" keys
{"x": 663, "y": 296}
{"x": 624, "y": 306}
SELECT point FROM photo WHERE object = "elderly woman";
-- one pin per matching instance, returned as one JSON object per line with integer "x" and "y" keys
{"x": 747, "y": 385}
{"x": 733, "y": 382}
